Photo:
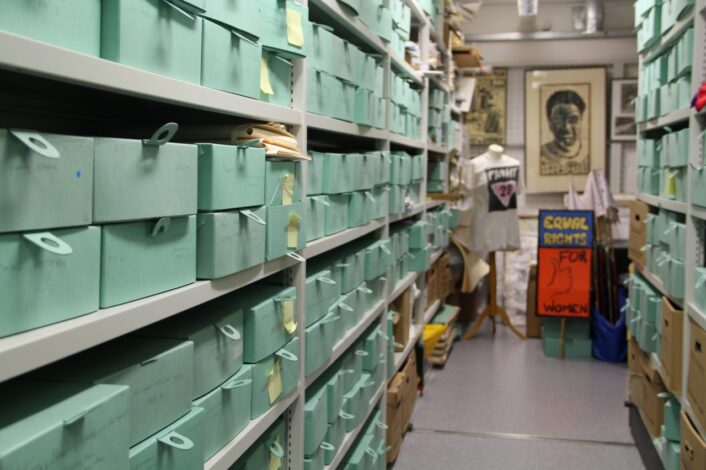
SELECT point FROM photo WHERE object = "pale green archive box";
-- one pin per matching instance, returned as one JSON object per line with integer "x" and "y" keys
{"x": 176, "y": 447}
{"x": 230, "y": 242}
{"x": 239, "y": 14}
{"x": 143, "y": 258}
{"x": 319, "y": 342}
{"x": 274, "y": 378}
{"x": 158, "y": 371}
{"x": 216, "y": 329}
{"x": 281, "y": 20}
{"x": 136, "y": 179}
{"x": 286, "y": 227}
{"x": 270, "y": 317}
{"x": 321, "y": 292}
{"x": 279, "y": 72}
{"x": 226, "y": 411}
{"x": 157, "y": 36}
{"x": 315, "y": 217}
{"x": 230, "y": 177}
{"x": 64, "y": 425}
{"x": 46, "y": 180}
{"x": 48, "y": 277}
{"x": 72, "y": 25}
{"x": 282, "y": 183}
{"x": 315, "y": 419}
{"x": 231, "y": 60}
{"x": 336, "y": 213}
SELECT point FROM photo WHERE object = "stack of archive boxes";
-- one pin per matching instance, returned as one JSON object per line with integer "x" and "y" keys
{"x": 406, "y": 102}
{"x": 420, "y": 248}
{"x": 698, "y": 178}
{"x": 437, "y": 176}
{"x": 644, "y": 313}
{"x": 577, "y": 338}
{"x": 336, "y": 201}
{"x": 269, "y": 451}
{"x": 669, "y": 441}
{"x": 439, "y": 115}
{"x": 369, "y": 450}
{"x": 662, "y": 165}
{"x": 665, "y": 81}
{"x": 401, "y": 26}
{"x": 406, "y": 174}
{"x": 343, "y": 82}
{"x": 399, "y": 242}
{"x": 666, "y": 239}
{"x": 221, "y": 44}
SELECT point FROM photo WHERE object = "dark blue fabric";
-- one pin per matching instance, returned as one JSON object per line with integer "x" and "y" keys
{"x": 609, "y": 341}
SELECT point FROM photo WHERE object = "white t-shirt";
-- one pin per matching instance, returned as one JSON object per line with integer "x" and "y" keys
{"x": 494, "y": 185}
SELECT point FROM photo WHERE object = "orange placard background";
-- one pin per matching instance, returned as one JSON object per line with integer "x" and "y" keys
{"x": 564, "y": 282}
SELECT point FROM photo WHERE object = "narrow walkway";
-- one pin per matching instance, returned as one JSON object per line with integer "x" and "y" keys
{"x": 500, "y": 404}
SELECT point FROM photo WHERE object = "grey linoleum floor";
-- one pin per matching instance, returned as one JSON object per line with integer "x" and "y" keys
{"x": 500, "y": 404}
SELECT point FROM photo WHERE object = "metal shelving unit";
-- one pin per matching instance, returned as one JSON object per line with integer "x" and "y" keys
{"x": 27, "y": 351}
{"x": 694, "y": 255}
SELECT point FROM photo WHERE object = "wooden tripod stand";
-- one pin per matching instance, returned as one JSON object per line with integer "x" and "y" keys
{"x": 493, "y": 310}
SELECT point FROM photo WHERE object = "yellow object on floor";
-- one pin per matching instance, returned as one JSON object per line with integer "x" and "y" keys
{"x": 432, "y": 334}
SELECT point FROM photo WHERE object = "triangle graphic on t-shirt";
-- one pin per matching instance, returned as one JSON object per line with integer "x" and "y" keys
{"x": 504, "y": 190}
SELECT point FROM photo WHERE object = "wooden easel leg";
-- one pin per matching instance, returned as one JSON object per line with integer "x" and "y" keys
{"x": 493, "y": 310}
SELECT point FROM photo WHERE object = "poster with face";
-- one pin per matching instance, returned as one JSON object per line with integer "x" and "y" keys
{"x": 565, "y": 133}
{"x": 565, "y": 127}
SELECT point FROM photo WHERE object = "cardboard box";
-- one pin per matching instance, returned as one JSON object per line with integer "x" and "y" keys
{"x": 652, "y": 408}
{"x": 410, "y": 390}
{"x": 696, "y": 382}
{"x": 402, "y": 322}
{"x": 672, "y": 345}
{"x": 534, "y": 323}
{"x": 639, "y": 362}
{"x": 638, "y": 231}
{"x": 467, "y": 57}
{"x": 693, "y": 447}
{"x": 636, "y": 389}
{"x": 395, "y": 392}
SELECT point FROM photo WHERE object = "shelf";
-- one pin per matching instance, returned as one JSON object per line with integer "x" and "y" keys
{"x": 414, "y": 333}
{"x": 437, "y": 148}
{"x": 439, "y": 83}
{"x": 657, "y": 283}
{"x": 417, "y": 11}
{"x": 406, "y": 141}
{"x": 435, "y": 203}
{"x": 351, "y": 337}
{"x": 325, "y": 123}
{"x": 697, "y": 315}
{"x": 431, "y": 311}
{"x": 670, "y": 38}
{"x": 322, "y": 245}
{"x": 698, "y": 211}
{"x": 26, "y": 351}
{"x": 351, "y": 23}
{"x": 351, "y": 436}
{"x": 226, "y": 457}
{"x": 402, "y": 286}
{"x": 675, "y": 206}
{"x": 404, "y": 67}
{"x": 35, "y": 58}
{"x": 416, "y": 210}
{"x": 675, "y": 117}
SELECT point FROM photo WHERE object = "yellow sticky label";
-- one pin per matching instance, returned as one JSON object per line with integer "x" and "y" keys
{"x": 287, "y": 189}
{"x": 274, "y": 383}
{"x": 289, "y": 323}
{"x": 293, "y": 232}
{"x": 670, "y": 186}
{"x": 265, "y": 85}
{"x": 295, "y": 33}
{"x": 275, "y": 462}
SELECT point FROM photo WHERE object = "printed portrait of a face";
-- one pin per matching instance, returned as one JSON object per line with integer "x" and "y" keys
{"x": 564, "y": 133}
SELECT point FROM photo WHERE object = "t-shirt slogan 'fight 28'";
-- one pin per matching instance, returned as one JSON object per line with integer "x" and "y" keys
{"x": 495, "y": 183}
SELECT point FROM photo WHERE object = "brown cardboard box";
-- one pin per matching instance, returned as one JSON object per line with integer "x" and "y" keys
{"x": 635, "y": 359}
{"x": 401, "y": 323}
{"x": 467, "y": 57}
{"x": 410, "y": 390}
{"x": 638, "y": 231}
{"x": 534, "y": 323}
{"x": 693, "y": 447}
{"x": 696, "y": 382}
{"x": 395, "y": 396}
{"x": 636, "y": 389}
{"x": 672, "y": 345}
{"x": 652, "y": 408}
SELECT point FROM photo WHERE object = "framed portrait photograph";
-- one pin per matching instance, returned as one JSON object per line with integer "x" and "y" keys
{"x": 486, "y": 120}
{"x": 623, "y": 127}
{"x": 565, "y": 127}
